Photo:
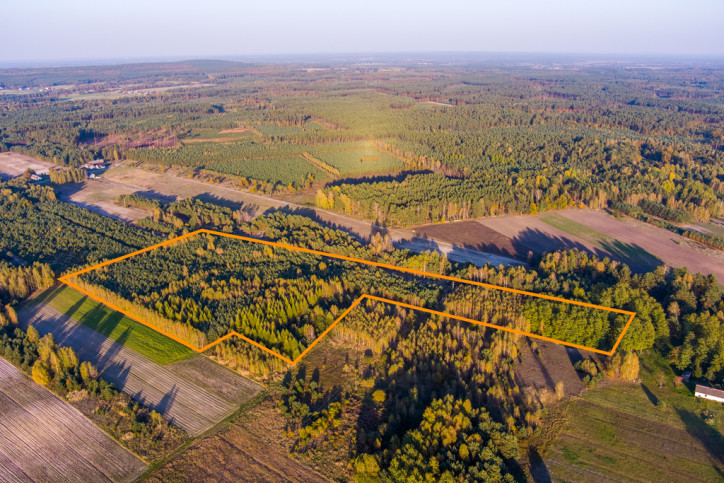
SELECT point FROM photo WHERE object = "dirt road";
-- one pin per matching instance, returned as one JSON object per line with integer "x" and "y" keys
{"x": 192, "y": 406}
{"x": 43, "y": 438}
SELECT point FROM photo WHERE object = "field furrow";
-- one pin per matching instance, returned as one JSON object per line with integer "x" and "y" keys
{"x": 43, "y": 438}
{"x": 183, "y": 403}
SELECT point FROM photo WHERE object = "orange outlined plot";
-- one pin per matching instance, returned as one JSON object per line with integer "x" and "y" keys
{"x": 67, "y": 280}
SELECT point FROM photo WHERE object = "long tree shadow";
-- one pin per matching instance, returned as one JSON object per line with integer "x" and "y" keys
{"x": 650, "y": 395}
{"x": 167, "y": 401}
{"x": 538, "y": 469}
{"x": 712, "y": 439}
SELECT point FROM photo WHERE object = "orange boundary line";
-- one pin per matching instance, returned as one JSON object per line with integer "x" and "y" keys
{"x": 65, "y": 279}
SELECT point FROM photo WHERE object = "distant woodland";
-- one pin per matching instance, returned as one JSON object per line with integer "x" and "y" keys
{"x": 414, "y": 146}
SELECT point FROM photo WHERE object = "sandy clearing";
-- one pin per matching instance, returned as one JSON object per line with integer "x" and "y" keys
{"x": 236, "y": 129}
{"x": 99, "y": 197}
{"x": 15, "y": 164}
{"x": 226, "y": 140}
{"x": 43, "y": 438}
{"x": 182, "y": 402}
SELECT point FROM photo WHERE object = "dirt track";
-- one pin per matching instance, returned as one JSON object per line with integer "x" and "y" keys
{"x": 177, "y": 397}
{"x": 43, "y": 438}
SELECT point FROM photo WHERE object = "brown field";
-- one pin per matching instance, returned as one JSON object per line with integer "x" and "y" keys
{"x": 475, "y": 235}
{"x": 46, "y": 439}
{"x": 235, "y": 130}
{"x": 639, "y": 244}
{"x": 186, "y": 394}
{"x": 252, "y": 449}
{"x": 553, "y": 365}
{"x": 15, "y": 164}
{"x": 225, "y": 140}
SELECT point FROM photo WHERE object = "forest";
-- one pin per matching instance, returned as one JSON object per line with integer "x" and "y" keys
{"x": 395, "y": 393}
{"x": 411, "y": 372}
{"x": 422, "y": 145}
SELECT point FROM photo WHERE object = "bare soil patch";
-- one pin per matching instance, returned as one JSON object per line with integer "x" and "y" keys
{"x": 146, "y": 139}
{"x": 99, "y": 196}
{"x": 235, "y": 130}
{"x": 547, "y": 365}
{"x": 46, "y": 439}
{"x": 672, "y": 249}
{"x": 531, "y": 232}
{"x": 471, "y": 234}
{"x": 224, "y": 140}
{"x": 620, "y": 237}
{"x": 15, "y": 164}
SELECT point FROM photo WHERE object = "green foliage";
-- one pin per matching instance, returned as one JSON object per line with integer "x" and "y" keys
{"x": 657, "y": 209}
{"x": 70, "y": 175}
{"x": 455, "y": 442}
{"x": 16, "y": 283}
{"x": 360, "y": 161}
{"x": 36, "y": 228}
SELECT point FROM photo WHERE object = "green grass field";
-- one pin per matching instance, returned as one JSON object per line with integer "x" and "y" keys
{"x": 639, "y": 432}
{"x": 359, "y": 161}
{"x": 116, "y": 326}
{"x": 630, "y": 254}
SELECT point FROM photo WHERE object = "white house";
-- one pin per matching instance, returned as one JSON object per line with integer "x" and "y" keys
{"x": 709, "y": 393}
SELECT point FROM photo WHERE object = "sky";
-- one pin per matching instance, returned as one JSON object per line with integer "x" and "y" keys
{"x": 62, "y": 30}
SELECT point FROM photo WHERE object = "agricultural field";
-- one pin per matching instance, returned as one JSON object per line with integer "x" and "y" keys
{"x": 178, "y": 399}
{"x": 638, "y": 244}
{"x": 129, "y": 333}
{"x": 648, "y": 431}
{"x": 424, "y": 165}
{"x": 45, "y": 439}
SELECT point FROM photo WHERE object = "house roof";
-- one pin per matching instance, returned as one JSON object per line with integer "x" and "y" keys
{"x": 709, "y": 391}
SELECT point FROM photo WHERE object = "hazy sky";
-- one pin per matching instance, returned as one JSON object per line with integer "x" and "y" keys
{"x": 57, "y": 30}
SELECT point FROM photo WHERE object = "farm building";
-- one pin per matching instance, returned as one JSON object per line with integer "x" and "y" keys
{"x": 709, "y": 393}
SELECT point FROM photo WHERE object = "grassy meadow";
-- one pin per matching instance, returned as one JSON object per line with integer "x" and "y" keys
{"x": 654, "y": 430}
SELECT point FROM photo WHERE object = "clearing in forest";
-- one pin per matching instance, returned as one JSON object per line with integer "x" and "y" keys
{"x": 205, "y": 287}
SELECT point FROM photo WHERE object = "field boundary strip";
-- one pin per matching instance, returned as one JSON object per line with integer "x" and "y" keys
{"x": 66, "y": 279}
